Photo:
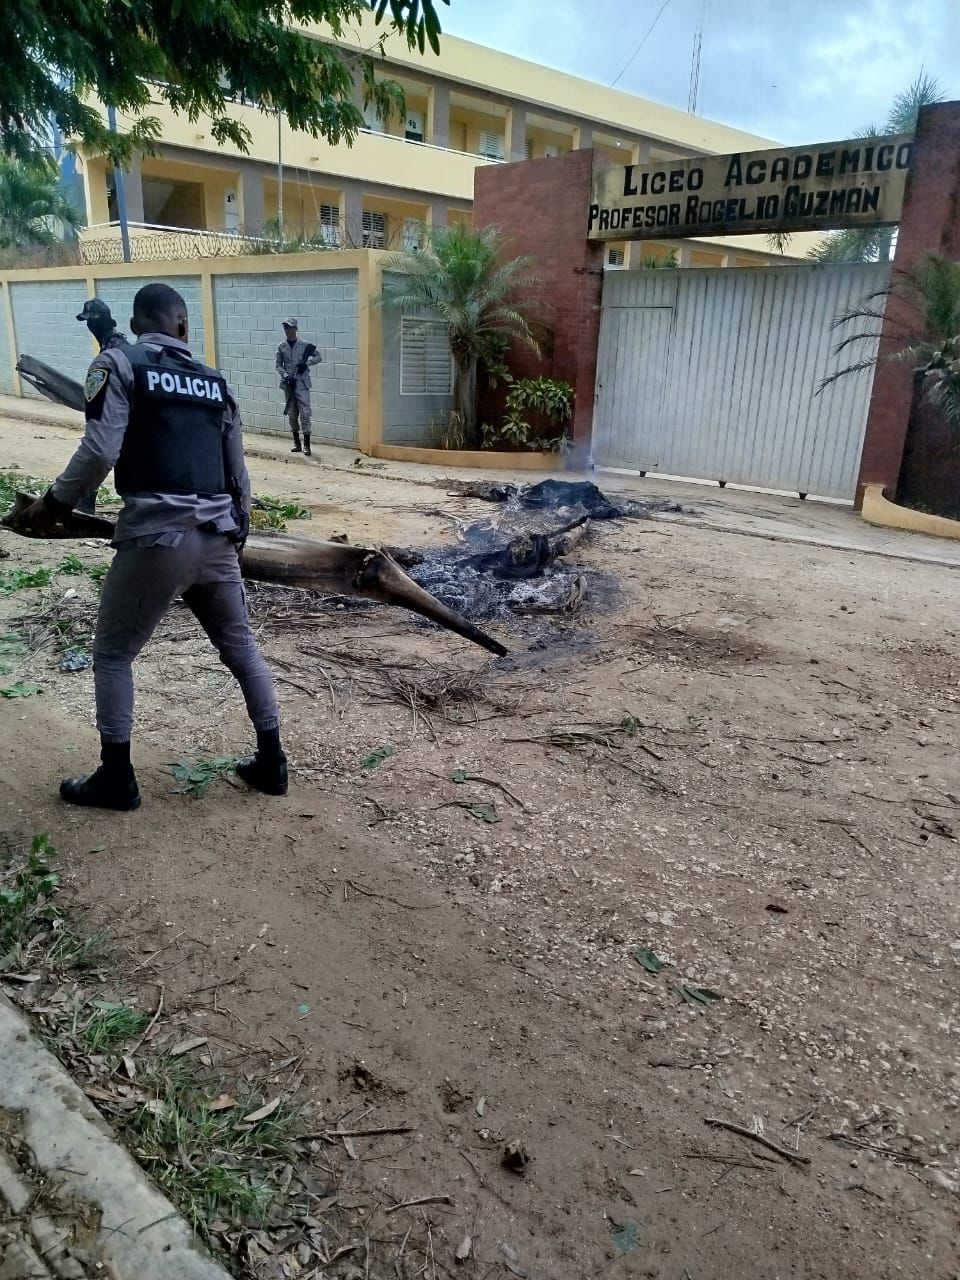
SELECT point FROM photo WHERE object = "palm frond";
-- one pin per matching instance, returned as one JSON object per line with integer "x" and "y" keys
{"x": 905, "y": 108}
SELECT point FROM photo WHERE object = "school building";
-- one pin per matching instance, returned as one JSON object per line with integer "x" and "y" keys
{"x": 472, "y": 106}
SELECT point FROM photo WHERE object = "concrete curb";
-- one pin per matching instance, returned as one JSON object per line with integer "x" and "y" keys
{"x": 879, "y": 510}
{"x": 99, "y": 1214}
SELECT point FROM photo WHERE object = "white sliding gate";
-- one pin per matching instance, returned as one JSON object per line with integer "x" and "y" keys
{"x": 712, "y": 373}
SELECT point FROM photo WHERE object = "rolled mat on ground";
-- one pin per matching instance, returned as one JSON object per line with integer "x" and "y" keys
{"x": 306, "y": 562}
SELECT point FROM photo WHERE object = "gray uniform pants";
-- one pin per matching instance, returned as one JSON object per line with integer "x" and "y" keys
{"x": 300, "y": 409}
{"x": 137, "y": 591}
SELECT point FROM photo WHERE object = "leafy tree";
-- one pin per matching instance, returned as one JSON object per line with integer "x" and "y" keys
{"x": 197, "y": 56}
{"x": 461, "y": 279}
{"x": 929, "y": 325}
{"x": 874, "y": 244}
{"x": 30, "y": 200}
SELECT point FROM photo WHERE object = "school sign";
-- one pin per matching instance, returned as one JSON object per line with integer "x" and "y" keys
{"x": 856, "y": 183}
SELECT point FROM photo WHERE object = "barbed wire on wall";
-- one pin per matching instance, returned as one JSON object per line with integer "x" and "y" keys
{"x": 172, "y": 246}
{"x": 167, "y": 246}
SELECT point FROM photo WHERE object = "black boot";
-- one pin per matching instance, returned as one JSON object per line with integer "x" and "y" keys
{"x": 112, "y": 786}
{"x": 267, "y": 770}
{"x": 296, "y": 443}
{"x": 306, "y": 444}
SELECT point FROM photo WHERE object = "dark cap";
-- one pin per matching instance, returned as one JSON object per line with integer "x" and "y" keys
{"x": 290, "y": 323}
{"x": 94, "y": 309}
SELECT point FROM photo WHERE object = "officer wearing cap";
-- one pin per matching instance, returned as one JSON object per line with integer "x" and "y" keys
{"x": 170, "y": 429}
{"x": 96, "y": 315}
{"x": 294, "y": 361}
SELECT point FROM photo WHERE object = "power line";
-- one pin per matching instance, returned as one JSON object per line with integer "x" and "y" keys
{"x": 646, "y": 37}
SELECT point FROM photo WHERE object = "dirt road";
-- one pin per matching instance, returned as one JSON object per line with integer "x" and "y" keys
{"x": 743, "y": 766}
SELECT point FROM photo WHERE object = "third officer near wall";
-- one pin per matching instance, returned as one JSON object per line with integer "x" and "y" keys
{"x": 294, "y": 362}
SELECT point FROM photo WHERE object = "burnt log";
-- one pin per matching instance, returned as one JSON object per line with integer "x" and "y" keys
{"x": 330, "y": 567}
{"x": 55, "y": 386}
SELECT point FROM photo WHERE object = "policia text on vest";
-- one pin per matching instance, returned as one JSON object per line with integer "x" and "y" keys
{"x": 174, "y": 437}
{"x": 835, "y": 185}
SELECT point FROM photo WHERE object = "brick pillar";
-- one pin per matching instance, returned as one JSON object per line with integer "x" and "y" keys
{"x": 930, "y": 224}
{"x": 541, "y": 210}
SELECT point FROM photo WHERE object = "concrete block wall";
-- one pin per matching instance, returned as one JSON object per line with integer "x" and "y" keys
{"x": 45, "y": 326}
{"x": 248, "y": 311}
{"x": 119, "y": 293}
{"x": 406, "y": 419}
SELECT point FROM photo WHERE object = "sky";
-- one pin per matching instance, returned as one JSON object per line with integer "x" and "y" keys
{"x": 794, "y": 71}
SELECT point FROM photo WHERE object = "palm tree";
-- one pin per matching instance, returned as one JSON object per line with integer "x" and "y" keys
{"x": 929, "y": 328}
{"x": 30, "y": 201}
{"x": 874, "y": 244}
{"x": 462, "y": 279}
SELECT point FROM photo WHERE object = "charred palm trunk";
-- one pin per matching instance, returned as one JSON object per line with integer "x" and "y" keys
{"x": 331, "y": 567}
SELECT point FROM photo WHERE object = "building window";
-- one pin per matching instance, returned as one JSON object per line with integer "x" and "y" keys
{"x": 426, "y": 365}
{"x": 551, "y": 149}
{"x": 374, "y": 230}
{"x": 231, "y": 211}
{"x": 491, "y": 145}
{"x": 616, "y": 256}
{"x": 412, "y": 234}
{"x": 413, "y": 129}
{"x": 528, "y": 150}
{"x": 371, "y": 121}
{"x": 329, "y": 216}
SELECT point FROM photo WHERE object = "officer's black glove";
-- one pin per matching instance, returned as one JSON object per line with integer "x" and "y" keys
{"x": 239, "y": 535}
{"x": 302, "y": 367}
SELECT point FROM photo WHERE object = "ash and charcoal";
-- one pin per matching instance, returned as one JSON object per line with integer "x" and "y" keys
{"x": 514, "y": 562}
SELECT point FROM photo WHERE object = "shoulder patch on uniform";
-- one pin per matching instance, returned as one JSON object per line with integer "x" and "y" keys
{"x": 96, "y": 381}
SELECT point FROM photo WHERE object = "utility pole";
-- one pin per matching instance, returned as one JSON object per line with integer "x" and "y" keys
{"x": 280, "y": 177}
{"x": 694, "y": 93}
{"x": 121, "y": 192}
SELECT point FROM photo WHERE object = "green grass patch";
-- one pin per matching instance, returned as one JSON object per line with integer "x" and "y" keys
{"x": 26, "y": 901}
{"x": 97, "y": 574}
{"x": 14, "y": 481}
{"x": 270, "y": 513}
{"x": 198, "y": 776}
{"x": 70, "y": 564}
{"x": 22, "y": 579}
{"x": 209, "y": 1161}
{"x": 111, "y": 1026}
{"x": 20, "y": 689}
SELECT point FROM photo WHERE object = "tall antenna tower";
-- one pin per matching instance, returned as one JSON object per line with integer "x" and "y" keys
{"x": 694, "y": 93}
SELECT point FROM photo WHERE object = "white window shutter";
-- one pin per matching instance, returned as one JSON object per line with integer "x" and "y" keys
{"x": 528, "y": 150}
{"x": 426, "y": 364}
{"x": 374, "y": 229}
{"x": 412, "y": 234}
{"x": 491, "y": 145}
{"x": 330, "y": 224}
{"x": 615, "y": 256}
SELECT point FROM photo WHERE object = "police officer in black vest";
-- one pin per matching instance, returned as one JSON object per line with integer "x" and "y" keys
{"x": 170, "y": 428}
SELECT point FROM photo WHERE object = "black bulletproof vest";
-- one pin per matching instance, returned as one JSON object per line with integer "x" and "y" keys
{"x": 174, "y": 439}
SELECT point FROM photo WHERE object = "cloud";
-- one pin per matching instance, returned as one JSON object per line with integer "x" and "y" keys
{"x": 795, "y": 70}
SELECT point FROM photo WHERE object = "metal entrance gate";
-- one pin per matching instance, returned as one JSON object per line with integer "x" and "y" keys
{"x": 712, "y": 373}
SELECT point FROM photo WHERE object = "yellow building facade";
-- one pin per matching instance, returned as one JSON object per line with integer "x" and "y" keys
{"x": 469, "y": 106}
